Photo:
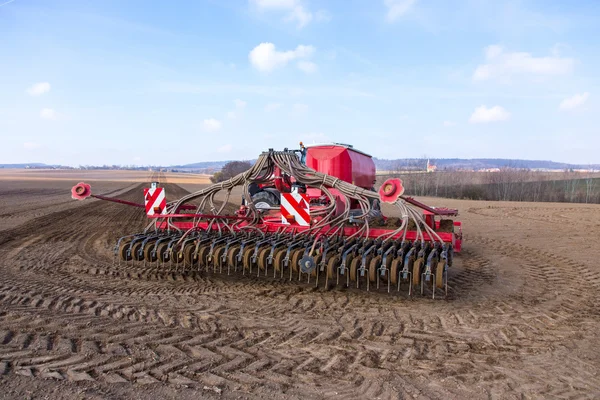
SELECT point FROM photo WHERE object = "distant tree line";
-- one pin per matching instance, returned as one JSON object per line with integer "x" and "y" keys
{"x": 230, "y": 170}
{"x": 506, "y": 185}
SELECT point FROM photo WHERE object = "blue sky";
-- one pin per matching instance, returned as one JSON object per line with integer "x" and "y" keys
{"x": 141, "y": 82}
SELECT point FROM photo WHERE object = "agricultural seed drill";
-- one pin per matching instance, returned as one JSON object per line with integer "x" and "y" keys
{"x": 314, "y": 215}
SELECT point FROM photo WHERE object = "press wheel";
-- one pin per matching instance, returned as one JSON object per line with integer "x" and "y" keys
{"x": 247, "y": 257}
{"x": 332, "y": 266}
{"x": 416, "y": 272}
{"x": 439, "y": 274}
{"x": 278, "y": 259}
{"x": 188, "y": 254}
{"x": 395, "y": 270}
{"x": 161, "y": 252}
{"x": 295, "y": 258}
{"x": 123, "y": 247}
{"x": 354, "y": 267}
{"x": 148, "y": 252}
{"x": 232, "y": 254}
{"x": 217, "y": 254}
{"x": 262, "y": 259}
{"x": 373, "y": 267}
{"x": 202, "y": 254}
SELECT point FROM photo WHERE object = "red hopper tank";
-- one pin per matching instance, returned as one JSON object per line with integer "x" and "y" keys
{"x": 342, "y": 161}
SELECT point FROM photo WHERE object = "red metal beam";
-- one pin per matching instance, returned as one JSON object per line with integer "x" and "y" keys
{"x": 436, "y": 211}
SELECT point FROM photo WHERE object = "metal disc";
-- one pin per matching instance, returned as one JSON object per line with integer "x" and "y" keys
{"x": 202, "y": 254}
{"x": 439, "y": 274}
{"x": 161, "y": 252}
{"x": 395, "y": 270}
{"x": 263, "y": 255}
{"x": 148, "y": 252}
{"x": 373, "y": 267}
{"x": 188, "y": 254}
{"x": 123, "y": 251}
{"x": 278, "y": 259}
{"x": 232, "y": 255}
{"x": 307, "y": 264}
{"x": 247, "y": 257}
{"x": 295, "y": 258}
{"x": 354, "y": 267}
{"x": 416, "y": 274}
{"x": 332, "y": 265}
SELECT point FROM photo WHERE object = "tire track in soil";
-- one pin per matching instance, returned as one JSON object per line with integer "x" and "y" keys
{"x": 67, "y": 313}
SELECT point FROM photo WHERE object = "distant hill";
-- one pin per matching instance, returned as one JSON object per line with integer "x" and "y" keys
{"x": 26, "y": 165}
{"x": 419, "y": 163}
{"x": 475, "y": 163}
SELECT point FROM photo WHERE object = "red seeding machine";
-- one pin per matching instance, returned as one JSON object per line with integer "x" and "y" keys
{"x": 307, "y": 215}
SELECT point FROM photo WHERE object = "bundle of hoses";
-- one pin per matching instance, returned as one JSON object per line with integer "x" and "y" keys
{"x": 262, "y": 171}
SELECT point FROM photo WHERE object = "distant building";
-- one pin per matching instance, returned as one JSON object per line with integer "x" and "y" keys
{"x": 430, "y": 168}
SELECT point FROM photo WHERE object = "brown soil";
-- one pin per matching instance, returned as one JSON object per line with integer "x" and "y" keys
{"x": 521, "y": 320}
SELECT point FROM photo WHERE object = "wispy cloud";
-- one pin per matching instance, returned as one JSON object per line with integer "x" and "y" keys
{"x": 6, "y": 2}
{"x": 211, "y": 125}
{"x": 398, "y": 8}
{"x": 265, "y": 57}
{"x": 39, "y": 89}
{"x": 31, "y": 145}
{"x": 48, "y": 113}
{"x": 295, "y": 11}
{"x": 573, "y": 102}
{"x": 505, "y": 65}
{"x": 483, "y": 114}
{"x": 272, "y": 107}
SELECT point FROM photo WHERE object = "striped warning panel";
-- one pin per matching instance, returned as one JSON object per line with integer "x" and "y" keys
{"x": 155, "y": 201}
{"x": 295, "y": 209}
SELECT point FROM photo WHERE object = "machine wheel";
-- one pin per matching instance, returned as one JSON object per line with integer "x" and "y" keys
{"x": 148, "y": 252}
{"x": 202, "y": 254}
{"x": 373, "y": 267}
{"x": 416, "y": 272}
{"x": 263, "y": 255}
{"x": 232, "y": 254}
{"x": 217, "y": 254}
{"x": 161, "y": 252}
{"x": 295, "y": 259}
{"x": 123, "y": 247}
{"x": 278, "y": 259}
{"x": 264, "y": 199}
{"x": 332, "y": 266}
{"x": 247, "y": 257}
{"x": 395, "y": 270}
{"x": 439, "y": 274}
{"x": 135, "y": 251}
{"x": 188, "y": 254}
{"x": 354, "y": 268}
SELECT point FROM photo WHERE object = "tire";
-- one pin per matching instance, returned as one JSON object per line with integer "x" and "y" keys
{"x": 264, "y": 200}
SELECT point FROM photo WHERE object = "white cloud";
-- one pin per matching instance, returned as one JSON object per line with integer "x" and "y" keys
{"x": 307, "y": 66}
{"x": 299, "y": 109}
{"x": 39, "y": 89}
{"x": 275, "y": 4}
{"x": 295, "y": 11}
{"x": 503, "y": 65}
{"x": 272, "y": 107}
{"x": 397, "y": 8}
{"x": 448, "y": 124}
{"x": 266, "y": 58}
{"x": 31, "y": 145}
{"x": 240, "y": 104}
{"x": 483, "y": 114}
{"x": 211, "y": 125}
{"x": 48, "y": 113}
{"x": 301, "y": 16}
{"x": 573, "y": 102}
{"x": 225, "y": 148}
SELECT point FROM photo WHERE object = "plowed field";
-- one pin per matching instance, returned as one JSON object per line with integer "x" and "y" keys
{"x": 521, "y": 320}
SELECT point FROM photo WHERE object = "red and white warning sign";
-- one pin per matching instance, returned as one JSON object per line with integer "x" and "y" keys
{"x": 155, "y": 201}
{"x": 295, "y": 209}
